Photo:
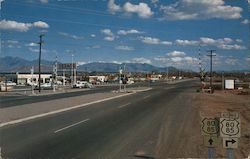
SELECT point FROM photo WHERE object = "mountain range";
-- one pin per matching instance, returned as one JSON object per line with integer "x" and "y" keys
{"x": 17, "y": 64}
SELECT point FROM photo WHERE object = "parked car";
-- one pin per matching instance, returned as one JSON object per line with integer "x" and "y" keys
{"x": 8, "y": 83}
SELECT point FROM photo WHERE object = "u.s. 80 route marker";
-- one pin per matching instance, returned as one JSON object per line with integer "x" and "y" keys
{"x": 210, "y": 126}
{"x": 229, "y": 127}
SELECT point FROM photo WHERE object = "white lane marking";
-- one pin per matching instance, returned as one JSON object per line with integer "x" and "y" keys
{"x": 61, "y": 110}
{"x": 124, "y": 105}
{"x": 71, "y": 125}
{"x": 146, "y": 97}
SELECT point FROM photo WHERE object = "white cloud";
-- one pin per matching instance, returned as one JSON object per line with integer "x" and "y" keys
{"x": 32, "y": 44}
{"x": 176, "y": 59}
{"x": 208, "y": 41}
{"x": 166, "y": 43}
{"x": 93, "y": 35}
{"x": 150, "y": 40}
{"x": 142, "y": 9}
{"x": 225, "y": 43}
{"x": 40, "y": 24}
{"x": 176, "y": 53}
{"x": 141, "y": 60}
{"x": 13, "y": 25}
{"x": 245, "y": 21}
{"x": 124, "y": 48}
{"x": 238, "y": 40}
{"x": 186, "y": 42}
{"x": 117, "y": 62}
{"x": 70, "y": 36}
{"x": 200, "y": 9}
{"x": 231, "y": 47}
{"x": 109, "y": 38}
{"x": 154, "y": 41}
{"x": 11, "y": 44}
{"x": 112, "y": 7}
{"x": 81, "y": 63}
{"x": 109, "y": 34}
{"x": 21, "y": 27}
{"x": 132, "y": 31}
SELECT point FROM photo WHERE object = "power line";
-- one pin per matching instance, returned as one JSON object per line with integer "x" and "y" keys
{"x": 64, "y": 8}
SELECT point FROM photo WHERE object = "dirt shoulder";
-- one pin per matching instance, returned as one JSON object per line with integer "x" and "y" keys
{"x": 212, "y": 105}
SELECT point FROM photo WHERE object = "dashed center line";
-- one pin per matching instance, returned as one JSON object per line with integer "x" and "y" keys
{"x": 124, "y": 105}
{"x": 146, "y": 97}
{"x": 71, "y": 125}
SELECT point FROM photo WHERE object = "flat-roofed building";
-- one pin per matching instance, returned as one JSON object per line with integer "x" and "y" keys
{"x": 24, "y": 79}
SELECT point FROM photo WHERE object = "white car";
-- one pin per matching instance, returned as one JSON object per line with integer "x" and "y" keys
{"x": 8, "y": 83}
{"x": 82, "y": 84}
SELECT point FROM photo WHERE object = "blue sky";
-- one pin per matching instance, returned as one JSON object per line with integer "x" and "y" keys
{"x": 158, "y": 32}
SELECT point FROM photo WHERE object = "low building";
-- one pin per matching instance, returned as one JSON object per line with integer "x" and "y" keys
{"x": 24, "y": 79}
{"x": 93, "y": 79}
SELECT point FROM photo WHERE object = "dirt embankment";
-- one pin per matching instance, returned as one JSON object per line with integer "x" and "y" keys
{"x": 212, "y": 105}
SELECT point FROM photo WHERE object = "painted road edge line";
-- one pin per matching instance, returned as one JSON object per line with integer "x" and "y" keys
{"x": 124, "y": 105}
{"x": 61, "y": 110}
{"x": 67, "y": 127}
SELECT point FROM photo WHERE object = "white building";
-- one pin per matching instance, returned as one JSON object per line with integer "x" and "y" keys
{"x": 23, "y": 79}
{"x": 97, "y": 78}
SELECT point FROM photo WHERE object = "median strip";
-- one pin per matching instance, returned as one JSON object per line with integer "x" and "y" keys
{"x": 83, "y": 121}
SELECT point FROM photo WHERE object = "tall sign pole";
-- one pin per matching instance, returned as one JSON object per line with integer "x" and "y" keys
{"x": 39, "y": 63}
{"x": 211, "y": 68}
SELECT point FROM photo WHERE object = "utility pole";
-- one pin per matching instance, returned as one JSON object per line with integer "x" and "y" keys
{"x": 125, "y": 78}
{"x": 72, "y": 69}
{"x": 211, "y": 67}
{"x": 55, "y": 75}
{"x": 249, "y": 35}
{"x": 120, "y": 76}
{"x": 39, "y": 64}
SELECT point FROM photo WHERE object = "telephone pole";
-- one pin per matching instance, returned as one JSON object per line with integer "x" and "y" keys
{"x": 211, "y": 67}
{"x": 39, "y": 64}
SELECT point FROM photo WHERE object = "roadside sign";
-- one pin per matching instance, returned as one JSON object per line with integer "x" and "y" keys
{"x": 210, "y": 126}
{"x": 229, "y": 127}
{"x": 231, "y": 115}
{"x": 230, "y": 143}
{"x": 211, "y": 141}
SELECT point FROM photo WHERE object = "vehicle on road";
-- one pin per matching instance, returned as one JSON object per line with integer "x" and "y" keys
{"x": 82, "y": 84}
{"x": 46, "y": 86}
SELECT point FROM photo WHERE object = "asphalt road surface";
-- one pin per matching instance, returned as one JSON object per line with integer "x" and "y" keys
{"x": 143, "y": 125}
{"x": 9, "y": 101}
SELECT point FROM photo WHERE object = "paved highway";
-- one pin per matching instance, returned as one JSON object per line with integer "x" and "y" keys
{"x": 129, "y": 127}
{"x": 9, "y": 101}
